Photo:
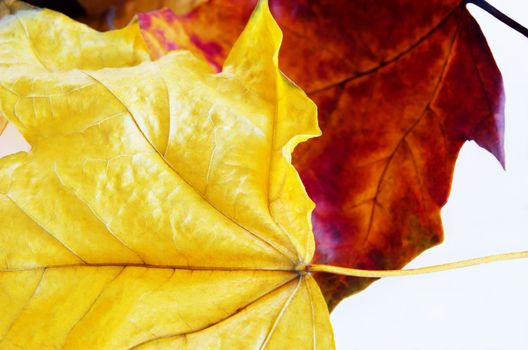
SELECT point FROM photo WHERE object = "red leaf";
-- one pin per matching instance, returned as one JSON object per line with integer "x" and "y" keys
{"x": 400, "y": 86}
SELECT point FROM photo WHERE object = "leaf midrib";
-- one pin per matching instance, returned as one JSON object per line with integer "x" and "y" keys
{"x": 154, "y": 266}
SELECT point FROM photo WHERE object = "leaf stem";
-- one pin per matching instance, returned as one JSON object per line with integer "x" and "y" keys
{"x": 500, "y": 16}
{"x": 418, "y": 271}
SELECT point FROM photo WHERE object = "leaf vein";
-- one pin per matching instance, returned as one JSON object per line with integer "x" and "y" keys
{"x": 271, "y": 244}
{"x": 74, "y": 193}
{"x": 280, "y": 314}
{"x": 91, "y": 306}
{"x": 26, "y": 304}
{"x": 407, "y": 132}
{"x": 43, "y": 228}
{"x": 186, "y": 334}
{"x": 393, "y": 59}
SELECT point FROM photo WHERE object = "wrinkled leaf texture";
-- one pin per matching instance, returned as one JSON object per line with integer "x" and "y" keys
{"x": 158, "y": 207}
{"x": 400, "y": 86}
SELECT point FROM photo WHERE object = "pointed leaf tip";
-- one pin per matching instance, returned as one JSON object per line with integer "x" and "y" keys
{"x": 258, "y": 43}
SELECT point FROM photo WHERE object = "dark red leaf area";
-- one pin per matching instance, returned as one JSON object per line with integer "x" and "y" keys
{"x": 382, "y": 171}
{"x": 400, "y": 86}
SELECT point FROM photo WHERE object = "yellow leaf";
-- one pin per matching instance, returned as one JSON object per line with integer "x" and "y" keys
{"x": 158, "y": 208}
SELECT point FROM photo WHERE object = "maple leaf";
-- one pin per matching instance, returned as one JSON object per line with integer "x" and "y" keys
{"x": 400, "y": 86}
{"x": 158, "y": 207}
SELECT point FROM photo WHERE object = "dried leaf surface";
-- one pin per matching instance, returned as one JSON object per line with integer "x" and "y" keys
{"x": 158, "y": 207}
{"x": 400, "y": 86}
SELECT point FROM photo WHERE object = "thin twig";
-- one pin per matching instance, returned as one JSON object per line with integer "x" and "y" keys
{"x": 500, "y": 16}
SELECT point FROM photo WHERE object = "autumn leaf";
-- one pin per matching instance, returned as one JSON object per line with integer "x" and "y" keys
{"x": 400, "y": 86}
{"x": 158, "y": 207}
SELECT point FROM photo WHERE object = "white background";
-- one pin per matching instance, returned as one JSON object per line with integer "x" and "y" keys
{"x": 478, "y": 308}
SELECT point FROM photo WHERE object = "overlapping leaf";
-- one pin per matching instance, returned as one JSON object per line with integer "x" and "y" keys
{"x": 158, "y": 207}
{"x": 400, "y": 86}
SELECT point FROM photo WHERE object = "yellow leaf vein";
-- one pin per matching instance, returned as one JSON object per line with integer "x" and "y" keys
{"x": 272, "y": 244}
{"x": 137, "y": 346}
{"x": 43, "y": 227}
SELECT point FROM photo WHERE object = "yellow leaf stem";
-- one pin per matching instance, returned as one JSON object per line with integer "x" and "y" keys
{"x": 418, "y": 271}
